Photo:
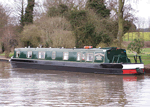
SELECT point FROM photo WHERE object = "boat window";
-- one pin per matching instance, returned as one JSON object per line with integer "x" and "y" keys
{"x": 29, "y": 54}
{"x": 65, "y": 56}
{"x": 17, "y": 54}
{"x": 89, "y": 57}
{"x": 53, "y": 55}
{"x": 41, "y": 55}
{"x": 83, "y": 56}
{"x": 78, "y": 56}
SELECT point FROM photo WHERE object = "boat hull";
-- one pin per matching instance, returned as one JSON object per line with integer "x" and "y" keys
{"x": 69, "y": 66}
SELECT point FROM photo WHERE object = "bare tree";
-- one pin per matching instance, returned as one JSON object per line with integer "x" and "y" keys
{"x": 121, "y": 9}
{"x": 3, "y": 23}
{"x": 9, "y": 39}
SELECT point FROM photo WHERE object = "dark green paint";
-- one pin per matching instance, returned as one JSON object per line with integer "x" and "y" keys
{"x": 72, "y": 56}
{"x": 116, "y": 52}
{"x": 59, "y": 56}
{"x": 14, "y": 54}
{"x": 34, "y": 54}
{"x": 48, "y": 55}
{"x": 23, "y": 54}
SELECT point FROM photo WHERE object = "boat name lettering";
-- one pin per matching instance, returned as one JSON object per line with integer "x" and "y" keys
{"x": 99, "y": 56}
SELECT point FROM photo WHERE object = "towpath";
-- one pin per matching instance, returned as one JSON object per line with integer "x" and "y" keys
{"x": 2, "y": 58}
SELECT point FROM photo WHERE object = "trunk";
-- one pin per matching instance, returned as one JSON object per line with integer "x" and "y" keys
{"x": 120, "y": 22}
{"x": 29, "y": 12}
{"x": 128, "y": 36}
{"x": 22, "y": 15}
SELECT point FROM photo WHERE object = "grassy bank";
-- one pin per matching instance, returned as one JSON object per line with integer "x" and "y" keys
{"x": 132, "y": 35}
{"x": 145, "y": 55}
{"x": 10, "y": 55}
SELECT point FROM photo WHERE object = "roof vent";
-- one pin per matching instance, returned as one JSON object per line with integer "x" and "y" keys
{"x": 88, "y": 47}
{"x": 40, "y": 46}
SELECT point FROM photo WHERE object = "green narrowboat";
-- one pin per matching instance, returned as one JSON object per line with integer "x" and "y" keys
{"x": 109, "y": 60}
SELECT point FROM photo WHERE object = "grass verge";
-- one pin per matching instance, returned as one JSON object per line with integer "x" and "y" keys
{"x": 145, "y": 55}
{"x": 10, "y": 55}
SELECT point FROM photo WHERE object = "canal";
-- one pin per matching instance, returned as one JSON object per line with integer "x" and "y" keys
{"x": 28, "y": 87}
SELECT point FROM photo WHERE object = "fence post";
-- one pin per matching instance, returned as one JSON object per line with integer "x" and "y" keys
{"x": 128, "y": 36}
{"x": 132, "y": 36}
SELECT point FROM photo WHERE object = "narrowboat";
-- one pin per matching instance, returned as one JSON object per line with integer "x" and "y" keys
{"x": 110, "y": 60}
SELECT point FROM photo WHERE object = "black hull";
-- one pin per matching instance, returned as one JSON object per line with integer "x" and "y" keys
{"x": 65, "y": 66}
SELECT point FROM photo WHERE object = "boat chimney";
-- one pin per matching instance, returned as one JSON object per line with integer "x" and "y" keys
{"x": 40, "y": 46}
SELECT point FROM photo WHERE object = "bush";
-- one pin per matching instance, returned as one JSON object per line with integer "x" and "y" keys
{"x": 136, "y": 46}
{"x": 31, "y": 36}
{"x": 49, "y": 32}
{"x": 52, "y": 28}
{"x": 63, "y": 38}
{"x": 101, "y": 45}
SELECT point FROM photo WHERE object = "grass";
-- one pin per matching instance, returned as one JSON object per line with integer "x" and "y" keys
{"x": 145, "y": 55}
{"x": 10, "y": 55}
{"x": 133, "y": 35}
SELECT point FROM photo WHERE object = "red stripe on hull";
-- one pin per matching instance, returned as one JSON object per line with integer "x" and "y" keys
{"x": 130, "y": 71}
{"x": 143, "y": 70}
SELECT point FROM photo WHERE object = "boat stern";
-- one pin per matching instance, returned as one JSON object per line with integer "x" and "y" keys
{"x": 133, "y": 68}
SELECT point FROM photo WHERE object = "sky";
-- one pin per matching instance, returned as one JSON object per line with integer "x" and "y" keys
{"x": 142, "y": 8}
{"x": 143, "y": 12}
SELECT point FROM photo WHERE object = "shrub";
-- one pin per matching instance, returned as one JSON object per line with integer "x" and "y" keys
{"x": 61, "y": 38}
{"x": 31, "y": 35}
{"x": 136, "y": 45}
{"x": 51, "y": 31}
{"x": 101, "y": 45}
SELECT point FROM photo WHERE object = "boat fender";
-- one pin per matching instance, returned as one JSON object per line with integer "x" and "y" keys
{"x": 138, "y": 70}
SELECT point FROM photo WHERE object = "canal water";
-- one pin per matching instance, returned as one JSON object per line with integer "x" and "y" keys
{"x": 28, "y": 87}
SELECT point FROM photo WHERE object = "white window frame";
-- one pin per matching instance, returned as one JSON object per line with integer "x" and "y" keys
{"x": 53, "y": 55}
{"x": 83, "y": 56}
{"x": 65, "y": 55}
{"x": 88, "y": 55}
{"x": 40, "y": 54}
{"x": 28, "y": 54}
{"x": 17, "y": 53}
{"x": 78, "y": 56}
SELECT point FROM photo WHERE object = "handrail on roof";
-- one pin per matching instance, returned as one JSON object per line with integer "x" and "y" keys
{"x": 119, "y": 56}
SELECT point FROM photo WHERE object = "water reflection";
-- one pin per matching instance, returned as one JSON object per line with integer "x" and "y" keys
{"x": 4, "y": 70}
{"x": 28, "y": 87}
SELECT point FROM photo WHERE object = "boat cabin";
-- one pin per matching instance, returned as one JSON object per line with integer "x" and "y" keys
{"x": 86, "y": 54}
